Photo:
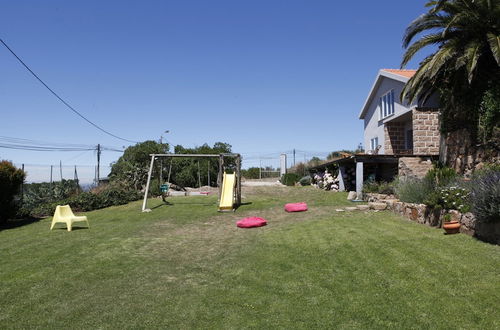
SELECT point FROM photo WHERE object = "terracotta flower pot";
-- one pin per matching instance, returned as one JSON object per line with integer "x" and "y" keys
{"x": 451, "y": 227}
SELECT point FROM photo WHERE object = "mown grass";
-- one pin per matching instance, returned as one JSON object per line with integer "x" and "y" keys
{"x": 188, "y": 266}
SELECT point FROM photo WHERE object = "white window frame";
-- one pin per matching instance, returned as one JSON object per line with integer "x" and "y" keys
{"x": 386, "y": 105}
{"x": 374, "y": 143}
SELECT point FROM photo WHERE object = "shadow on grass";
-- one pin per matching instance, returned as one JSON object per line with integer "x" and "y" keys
{"x": 183, "y": 203}
{"x": 72, "y": 229}
{"x": 11, "y": 224}
{"x": 242, "y": 204}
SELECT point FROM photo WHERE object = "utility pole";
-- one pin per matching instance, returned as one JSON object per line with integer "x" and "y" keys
{"x": 51, "y": 166}
{"x": 60, "y": 169}
{"x": 293, "y": 157}
{"x": 98, "y": 161}
{"x": 75, "y": 176}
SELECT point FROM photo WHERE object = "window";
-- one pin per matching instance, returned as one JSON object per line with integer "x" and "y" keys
{"x": 386, "y": 105}
{"x": 409, "y": 139}
{"x": 374, "y": 143}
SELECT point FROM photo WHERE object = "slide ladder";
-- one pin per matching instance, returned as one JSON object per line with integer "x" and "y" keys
{"x": 227, "y": 195}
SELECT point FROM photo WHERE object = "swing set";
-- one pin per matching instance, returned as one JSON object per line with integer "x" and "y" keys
{"x": 229, "y": 185}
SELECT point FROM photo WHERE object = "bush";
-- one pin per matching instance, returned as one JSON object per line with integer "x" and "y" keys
{"x": 441, "y": 176}
{"x": 485, "y": 195}
{"x": 290, "y": 179}
{"x": 11, "y": 179}
{"x": 36, "y": 194}
{"x": 305, "y": 181}
{"x": 378, "y": 187}
{"x": 101, "y": 197}
{"x": 449, "y": 198}
{"x": 412, "y": 190}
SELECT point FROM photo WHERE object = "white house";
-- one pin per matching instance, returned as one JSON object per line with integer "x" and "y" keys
{"x": 393, "y": 127}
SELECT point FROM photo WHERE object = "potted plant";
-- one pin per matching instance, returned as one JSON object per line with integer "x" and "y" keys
{"x": 449, "y": 226}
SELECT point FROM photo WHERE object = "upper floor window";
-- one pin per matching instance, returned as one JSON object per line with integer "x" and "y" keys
{"x": 386, "y": 104}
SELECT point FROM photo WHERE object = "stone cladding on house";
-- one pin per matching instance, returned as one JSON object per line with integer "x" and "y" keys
{"x": 394, "y": 138}
{"x": 426, "y": 134}
{"x": 416, "y": 167}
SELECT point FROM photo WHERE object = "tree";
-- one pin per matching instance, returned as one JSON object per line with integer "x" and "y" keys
{"x": 11, "y": 179}
{"x": 132, "y": 168}
{"x": 467, "y": 59}
{"x": 185, "y": 171}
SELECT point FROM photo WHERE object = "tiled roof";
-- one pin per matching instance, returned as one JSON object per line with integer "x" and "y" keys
{"x": 404, "y": 73}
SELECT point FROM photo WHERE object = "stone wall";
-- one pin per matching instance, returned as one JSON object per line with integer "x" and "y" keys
{"x": 458, "y": 152}
{"x": 423, "y": 214}
{"x": 394, "y": 138}
{"x": 416, "y": 167}
{"x": 426, "y": 134}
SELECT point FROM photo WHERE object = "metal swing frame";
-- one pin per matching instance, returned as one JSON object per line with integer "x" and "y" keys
{"x": 219, "y": 175}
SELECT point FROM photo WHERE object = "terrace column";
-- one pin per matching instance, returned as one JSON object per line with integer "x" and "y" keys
{"x": 341, "y": 178}
{"x": 359, "y": 180}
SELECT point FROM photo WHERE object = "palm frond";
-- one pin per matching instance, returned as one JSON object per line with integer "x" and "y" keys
{"x": 425, "y": 41}
{"x": 494, "y": 42}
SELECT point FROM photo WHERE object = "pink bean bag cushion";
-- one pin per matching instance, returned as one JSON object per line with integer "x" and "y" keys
{"x": 251, "y": 222}
{"x": 296, "y": 207}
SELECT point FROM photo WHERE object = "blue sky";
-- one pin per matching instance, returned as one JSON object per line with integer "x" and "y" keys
{"x": 265, "y": 76}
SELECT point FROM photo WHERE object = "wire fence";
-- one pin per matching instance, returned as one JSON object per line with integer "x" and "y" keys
{"x": 86, "y": 174}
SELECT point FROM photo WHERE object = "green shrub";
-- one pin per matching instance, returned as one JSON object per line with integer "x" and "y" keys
{"x": 441, "y": 176}
{"x": 36, "y": 194}
{"x": 449, "y": 198}
{"x": 383, "y": 187}
{"x": 290, "y": 179}
{"x": 101, "y": 197}
{"x": 11, "y": 179}
{"x": 485, "y": 196}
{"x": 305, "y": 181}
{"x": 413, "y": 190}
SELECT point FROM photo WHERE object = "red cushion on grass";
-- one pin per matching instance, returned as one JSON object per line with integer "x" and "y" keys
{"x": 296, "y": 207}
{"x": 251, "y": 222}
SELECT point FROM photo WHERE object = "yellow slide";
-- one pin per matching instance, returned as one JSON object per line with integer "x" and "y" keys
{"x": 227, "y": 196}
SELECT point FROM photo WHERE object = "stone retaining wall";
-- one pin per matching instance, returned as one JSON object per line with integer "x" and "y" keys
{"x": 460, "y": 153}
{"x": 423, "y": 214}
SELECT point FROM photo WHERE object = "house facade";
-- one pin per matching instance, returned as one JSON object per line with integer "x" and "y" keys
{"x": 393, "y": 127}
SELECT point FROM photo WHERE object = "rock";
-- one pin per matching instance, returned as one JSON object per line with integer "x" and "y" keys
{"x": 351, "y": 208}
{"x": 340, "y": 210}
{"x": 455, "y": 215}
{"x": 377, "y": 206}
{"x": 351, "y": 196}
{"x": 468, "y": 220}
{"x": 363, "y": 207}
{"x": 390, "y": 202}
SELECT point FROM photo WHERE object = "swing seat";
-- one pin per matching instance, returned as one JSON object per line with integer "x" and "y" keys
{"x": 296, "y": 207}
{"x": 251, "y": 222}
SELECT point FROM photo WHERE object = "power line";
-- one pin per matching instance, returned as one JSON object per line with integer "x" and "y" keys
{"x": 60, "y": 99}
{"x": 25, "y": 144}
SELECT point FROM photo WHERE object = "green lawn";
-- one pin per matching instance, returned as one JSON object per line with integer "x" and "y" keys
{"x": 188, "y": 266}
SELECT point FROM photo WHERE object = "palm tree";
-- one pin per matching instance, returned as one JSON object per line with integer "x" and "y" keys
{"x": 467, "y": 59}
